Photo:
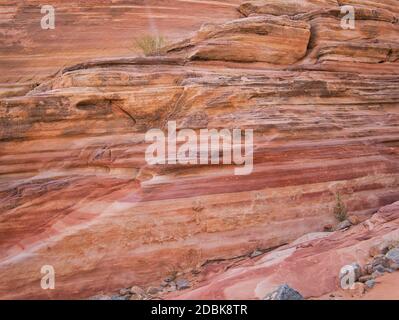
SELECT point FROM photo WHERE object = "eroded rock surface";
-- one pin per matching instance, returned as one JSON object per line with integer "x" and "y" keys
{"x": 311, "y": 266}
{"x": 90, "y": 29}
{"x": 254, "y": 39}
{"x": 289, "y": 7}
{"x": 77, "y": 193}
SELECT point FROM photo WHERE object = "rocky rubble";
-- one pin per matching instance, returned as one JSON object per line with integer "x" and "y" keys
{"x": 284, "y": 292}
{"x": 385, "y": 257}
{"x": 312, "y": 264}
{"x": 169, "y": 284}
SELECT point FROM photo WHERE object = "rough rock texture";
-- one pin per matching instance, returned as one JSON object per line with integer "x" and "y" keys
{"x": 393, "y": 255}
{"x": 90, "y": 29}
{"x": 284, "y": 292}
{"x": 288, "y": 7}
{"x": 311, "y": 266}
{"x": 254, "y": 39}
{"x": 77, "y": 193}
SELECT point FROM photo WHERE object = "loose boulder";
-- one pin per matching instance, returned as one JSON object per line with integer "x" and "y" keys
{"x": 344, "y": 225}
{"x": 393, "y": 256}
{"x": 271, "y": 39}
{"x": 284, "y": 292}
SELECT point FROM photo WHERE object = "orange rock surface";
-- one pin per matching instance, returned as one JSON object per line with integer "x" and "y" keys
{"x": 77, "y": 193}
{"x": 311, "y": 265}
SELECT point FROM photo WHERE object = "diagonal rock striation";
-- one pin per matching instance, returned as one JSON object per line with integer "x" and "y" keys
{"x": 78, "y": 194}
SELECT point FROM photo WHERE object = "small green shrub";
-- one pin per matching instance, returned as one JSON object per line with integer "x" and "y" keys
{"x": 151, "y": 45}
{"x": 340, "y": 211}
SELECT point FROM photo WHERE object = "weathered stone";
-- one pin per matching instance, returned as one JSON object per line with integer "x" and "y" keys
{"x": 172, "y": 287}
{"x": 392, "y": 244}
{"x": 276, "y": 40}
{"x": 380, "y": 260}
{"x": 374, "y": 251}
{"x": 368, "y": 269}
{"x": 256, "y": 253}
{"x": 344, "y": 225}
{"x": 370, "y": 283}
{"x": 18, "y": 18}
{"x": 376, "y": 274}
{"x": 153, "y": 290}
{"x": 394, "y": 266}
{"x": 137, "y": 291}
{"x": 354, "y": 220}
{"x": 357, "y": 271}
{"x": 75, "y": 186}
{"x": 124, "y": 291}
{"x": 365, "y": 278}
{"x": 299, "y": 262}
{"x": 284, "y": 7}
{"x": 393, "y": 255}
{"x": 284, "y": 292}
{"x": 182, "y": 284}
{"x": 196, "y": 271}
{"x": 169, "y": 279}
{"x": 119, "y": 298}
{"x": 379, "y": 268}
{"x": 100, "y": 297}
{"x": 358, "y": 290}
{"x": 135, "y": 297}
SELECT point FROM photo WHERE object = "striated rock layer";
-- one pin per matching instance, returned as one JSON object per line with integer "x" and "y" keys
{"x": 77, "y": 193}
{"x": 90, "y": 29}
{"x": 311, "y": 264}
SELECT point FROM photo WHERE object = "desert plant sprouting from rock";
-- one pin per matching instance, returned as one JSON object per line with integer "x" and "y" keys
{"x": 340, "y": 211}
{"x": 151, "y": 45}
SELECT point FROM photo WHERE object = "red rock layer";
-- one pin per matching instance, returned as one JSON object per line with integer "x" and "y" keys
{"x": 90, "y": 29}
{"x": 76, "y": 190}
{"x": 310, "y": 264}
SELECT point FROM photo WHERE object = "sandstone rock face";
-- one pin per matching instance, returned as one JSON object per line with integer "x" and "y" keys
{"x": 90, "y": 29}
{"x": 288, "y": 7}
{"x": 78, "y": 194}
{"x": 254, "y": 39}
{"x": 311, "y": 266}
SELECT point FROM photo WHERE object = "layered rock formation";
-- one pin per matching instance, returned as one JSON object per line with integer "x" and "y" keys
{"x": 254, "y": 39}
{"x": 78, "y": 195}
{"x": 90, "y": 29}
{"x": 311, "y": 264}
